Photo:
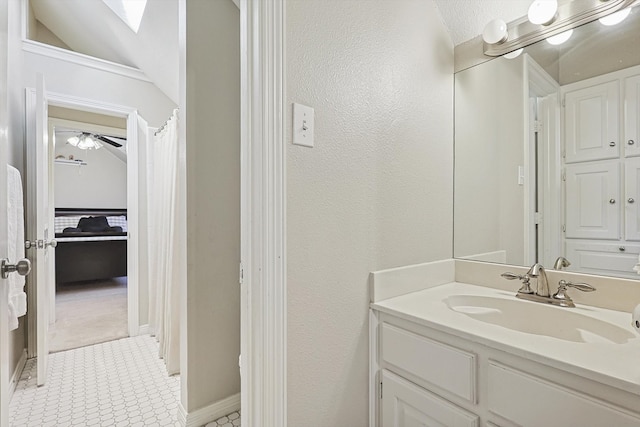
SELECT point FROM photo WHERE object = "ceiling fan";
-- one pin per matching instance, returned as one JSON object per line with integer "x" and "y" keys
{"x": 88, "y": 140}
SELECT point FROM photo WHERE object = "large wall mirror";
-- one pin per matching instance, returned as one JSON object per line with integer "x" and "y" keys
{"x": 547, "y": 152}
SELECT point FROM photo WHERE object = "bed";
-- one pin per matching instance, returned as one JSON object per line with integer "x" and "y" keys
{"x": 90, "y": 255}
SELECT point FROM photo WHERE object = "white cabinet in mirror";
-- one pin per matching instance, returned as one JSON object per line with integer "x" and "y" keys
{"x": 547, "y": 153}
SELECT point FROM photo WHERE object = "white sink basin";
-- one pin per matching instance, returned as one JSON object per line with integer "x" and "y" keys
{"x": 539, "y": 319}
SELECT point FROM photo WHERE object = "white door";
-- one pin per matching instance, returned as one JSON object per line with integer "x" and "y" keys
{"x": 632, "y": 116}
{"x": 592, "y": 123}
{"x": 4, "y": 289}
{"x": 593, "y": 200}
{"x": 43, "y": 235}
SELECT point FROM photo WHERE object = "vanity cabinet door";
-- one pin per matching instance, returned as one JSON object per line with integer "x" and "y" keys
{"x": 404, "y": 404}
{"x": 632, "y": 199}
{"x": 632, "y": 116}
{"x": 592, "y": 123}
{"x": 593, "y": 200}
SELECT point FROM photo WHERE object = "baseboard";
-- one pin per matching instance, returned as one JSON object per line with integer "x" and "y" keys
{"x": 144, "y": 329}
{"x": 209, "y": 413}
{"x": 16, "y": 374}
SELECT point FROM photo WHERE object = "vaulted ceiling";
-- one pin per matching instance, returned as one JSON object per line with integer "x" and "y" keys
{"x": 90, "y": 27}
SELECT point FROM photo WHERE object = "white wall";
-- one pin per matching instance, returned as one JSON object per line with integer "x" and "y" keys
{"x": 376, "y": 191}
{"x": 102, "y": 183}
{"x": 210, "y": 101}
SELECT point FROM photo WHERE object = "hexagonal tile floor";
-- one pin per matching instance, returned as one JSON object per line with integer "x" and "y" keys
{"x": 117, "y": 383}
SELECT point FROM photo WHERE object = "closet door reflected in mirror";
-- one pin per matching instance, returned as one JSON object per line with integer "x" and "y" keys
{"x": 547, "y": 153}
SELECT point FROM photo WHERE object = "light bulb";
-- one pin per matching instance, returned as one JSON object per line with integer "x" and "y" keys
{"x": 74, "y": 140}
{"x": 514, "y": 54}
{"x": 543, "y": 12}
{"x": 560, "y": 38}
{"x": 615, "y": 18}
{"x": 495, "y": 32}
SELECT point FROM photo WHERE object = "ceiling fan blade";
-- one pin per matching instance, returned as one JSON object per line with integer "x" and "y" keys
{"x": 115, "y": 137}
{"x": 108, "y": 141}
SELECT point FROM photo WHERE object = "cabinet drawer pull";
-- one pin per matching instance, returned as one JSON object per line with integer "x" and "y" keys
{"x": 612, "y": 201}
{"x": 631, "y": 200}
{"x": 622, "y": 249}
{"x": 612, "y": 144}
{"x": 631, "y": 142}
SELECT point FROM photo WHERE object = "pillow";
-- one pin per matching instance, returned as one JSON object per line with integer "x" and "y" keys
{"x": 94, "y": 223}
{"x": 118, "y": 221}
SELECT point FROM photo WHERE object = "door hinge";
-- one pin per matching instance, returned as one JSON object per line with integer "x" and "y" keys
{"x": 564, "y": 104}
{"x": 564, "y": 175}
{"x": 241, "y": 277}
{"x": 537, "y": 126}
{"x": 537, "y": 218}
{"x": 380, "y": 390}
{"x": 564, "y": 228}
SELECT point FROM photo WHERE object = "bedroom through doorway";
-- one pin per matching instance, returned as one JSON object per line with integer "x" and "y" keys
{"x": 89, "y": 191}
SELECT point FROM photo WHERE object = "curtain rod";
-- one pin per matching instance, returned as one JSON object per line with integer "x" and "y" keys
{"x": 164, "y": 125}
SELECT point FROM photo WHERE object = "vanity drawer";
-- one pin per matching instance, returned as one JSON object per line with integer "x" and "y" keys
{"x": 405, "y": 404}
{"x": 606, "y": 258}
{"x": 446, "y": 367}
{"x": 530, "y": 401}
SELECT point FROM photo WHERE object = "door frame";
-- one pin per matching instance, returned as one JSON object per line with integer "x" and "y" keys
{"x": 263, "y": 269}
{"x": 134, "y": 146}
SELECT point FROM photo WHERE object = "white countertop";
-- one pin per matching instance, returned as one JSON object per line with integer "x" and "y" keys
{"x": 614, "y": 361}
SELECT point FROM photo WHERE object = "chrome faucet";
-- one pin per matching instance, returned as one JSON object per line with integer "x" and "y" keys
{"x": 542, "y": 284}
{"x": 542, "y": 293}
{"x": 561, "y": 262}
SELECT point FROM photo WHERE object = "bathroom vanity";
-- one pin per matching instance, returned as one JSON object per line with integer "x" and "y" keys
{"x": 457, "y": 354}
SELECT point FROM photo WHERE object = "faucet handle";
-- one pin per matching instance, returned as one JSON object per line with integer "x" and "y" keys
{"x": 525, "y": 289}
{"x": 584, "y": 287}
{"x": 512, "y": 276}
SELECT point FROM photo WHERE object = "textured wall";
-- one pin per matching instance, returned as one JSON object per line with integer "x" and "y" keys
{"x": 376, "y": 191}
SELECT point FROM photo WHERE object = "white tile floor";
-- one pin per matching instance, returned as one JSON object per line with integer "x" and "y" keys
{"x": 117, "y": 383}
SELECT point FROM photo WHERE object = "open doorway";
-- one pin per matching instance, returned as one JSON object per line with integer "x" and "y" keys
{"x": 88, "y": 187}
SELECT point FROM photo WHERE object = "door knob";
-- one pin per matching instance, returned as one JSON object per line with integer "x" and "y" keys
{"x": 22, "y": 267}
{"x": 612, "y": 201}
{"x": 612, "y": 144}
{"x": 53, "y": 243}
{"x": 631, "y": 200}
{"x": 631, "y": 142}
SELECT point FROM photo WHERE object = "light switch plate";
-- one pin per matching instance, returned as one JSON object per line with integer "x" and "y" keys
{"x": 303, "y": 125}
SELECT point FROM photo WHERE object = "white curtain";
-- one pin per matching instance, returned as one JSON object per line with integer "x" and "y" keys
{"x": 165, "y": 243}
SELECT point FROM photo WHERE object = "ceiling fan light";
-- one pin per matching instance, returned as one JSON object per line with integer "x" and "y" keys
{"x": 543, "y": 12}
{"x": 495, "y": 32}
{"x": 615, "y": 18}
{"x": 74, "y": 140}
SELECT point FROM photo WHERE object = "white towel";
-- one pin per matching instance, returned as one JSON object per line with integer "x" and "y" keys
{"x": 15, "y": 249}
{"x": 636, "y": 267}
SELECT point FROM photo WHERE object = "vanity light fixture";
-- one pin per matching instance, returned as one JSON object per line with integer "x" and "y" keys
{"x": 495, "y": 32}
{"x": 543, "y": 12}
{"x": 560, "y": 38}
{"x": 514, "y": 54}
{"x": 547, "y": 19}
{"x": 615, "y": 18}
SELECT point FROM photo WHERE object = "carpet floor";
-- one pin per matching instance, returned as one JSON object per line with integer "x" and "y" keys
{"x": 89, "y": 313}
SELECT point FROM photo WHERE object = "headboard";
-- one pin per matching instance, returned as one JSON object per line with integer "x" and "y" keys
{"x": 90, "y": 212}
